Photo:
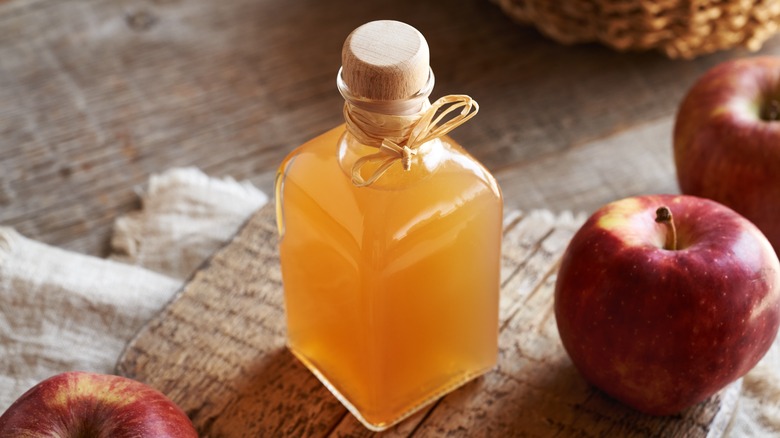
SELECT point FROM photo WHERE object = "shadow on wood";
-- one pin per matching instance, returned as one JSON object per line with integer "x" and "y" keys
{"x": 274, "y": 389}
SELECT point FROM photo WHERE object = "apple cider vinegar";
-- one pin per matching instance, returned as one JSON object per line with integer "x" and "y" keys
{"x": 390, "y": 253}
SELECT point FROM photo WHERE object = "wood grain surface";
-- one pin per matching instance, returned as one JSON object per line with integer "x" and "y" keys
{"x": 95, "y": 95}
{"x": 218, "y": 350}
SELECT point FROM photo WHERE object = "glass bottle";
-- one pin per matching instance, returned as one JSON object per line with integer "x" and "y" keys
{"x": 391, "y": 275}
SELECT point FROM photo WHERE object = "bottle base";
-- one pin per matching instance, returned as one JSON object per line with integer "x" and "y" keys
{"x": 384, "y": 425}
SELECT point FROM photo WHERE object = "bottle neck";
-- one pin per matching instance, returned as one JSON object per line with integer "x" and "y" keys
{"x": 398, "y": 128}
{"x": 409, "y": 106}
{"x": 372, "y": 123}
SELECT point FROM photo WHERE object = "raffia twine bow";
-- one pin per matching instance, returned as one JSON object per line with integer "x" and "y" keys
{"x": 399, "y": 137}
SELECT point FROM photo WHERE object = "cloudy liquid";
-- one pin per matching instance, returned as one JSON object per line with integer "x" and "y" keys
{"x": 391, "y": 290}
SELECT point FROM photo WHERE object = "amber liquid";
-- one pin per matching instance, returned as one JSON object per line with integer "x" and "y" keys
{"x": 391, "y": 290}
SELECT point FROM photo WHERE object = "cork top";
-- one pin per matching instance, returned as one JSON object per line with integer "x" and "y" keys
{"x": 385, "y": 60}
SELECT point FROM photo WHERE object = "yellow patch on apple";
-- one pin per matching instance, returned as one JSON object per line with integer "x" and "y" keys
{"x": 81, "y": 386}
{"x": 621, "y": 219}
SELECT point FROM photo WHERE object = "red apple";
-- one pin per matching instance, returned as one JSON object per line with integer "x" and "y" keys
{"x": 81, "y": 404}
{"x": 727, "y": 140}
{"x": 661, "y": 325}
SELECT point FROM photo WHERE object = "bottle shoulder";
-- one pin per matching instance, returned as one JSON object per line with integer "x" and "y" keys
{"x": 315, "y": 179}
{"x": 439, "y": 158}
{"x": 468, "y": 164}
{"x": 442, "y": 166}
{"x": 317, "y": 145}
{"x": 443, "y": 156}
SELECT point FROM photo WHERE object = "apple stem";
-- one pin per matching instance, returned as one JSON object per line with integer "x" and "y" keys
{"x": 664, "y": 215}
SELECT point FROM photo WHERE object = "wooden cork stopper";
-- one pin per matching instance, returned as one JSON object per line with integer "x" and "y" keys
{"x": 385, "y": 60}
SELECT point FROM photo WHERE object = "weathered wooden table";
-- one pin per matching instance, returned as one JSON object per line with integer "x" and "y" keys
{"x": 95, "y": 95}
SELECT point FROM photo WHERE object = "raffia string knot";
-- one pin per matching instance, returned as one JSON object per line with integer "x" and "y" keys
{"x": 398, "y": 137}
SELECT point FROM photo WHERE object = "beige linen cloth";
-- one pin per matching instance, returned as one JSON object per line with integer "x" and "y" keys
{"x": 63, "y": 311}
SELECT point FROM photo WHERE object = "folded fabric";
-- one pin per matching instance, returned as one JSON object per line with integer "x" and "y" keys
{"x": 186, "y": 216}
{"x": 62, "y": 311}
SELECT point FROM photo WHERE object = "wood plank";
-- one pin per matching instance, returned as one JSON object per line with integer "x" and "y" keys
{"x": 218, "y": 351}
{"x": 95, "y": 95}
{"x": 583, "y": 178}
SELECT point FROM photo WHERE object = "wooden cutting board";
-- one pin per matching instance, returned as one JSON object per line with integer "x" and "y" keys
{"x": 218, "y": 350}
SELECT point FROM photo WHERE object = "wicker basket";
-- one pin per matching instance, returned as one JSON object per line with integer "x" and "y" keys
{"x": 678, "y": 28}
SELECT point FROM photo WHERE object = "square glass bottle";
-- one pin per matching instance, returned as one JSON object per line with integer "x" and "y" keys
{"x": 390, "y": 236}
